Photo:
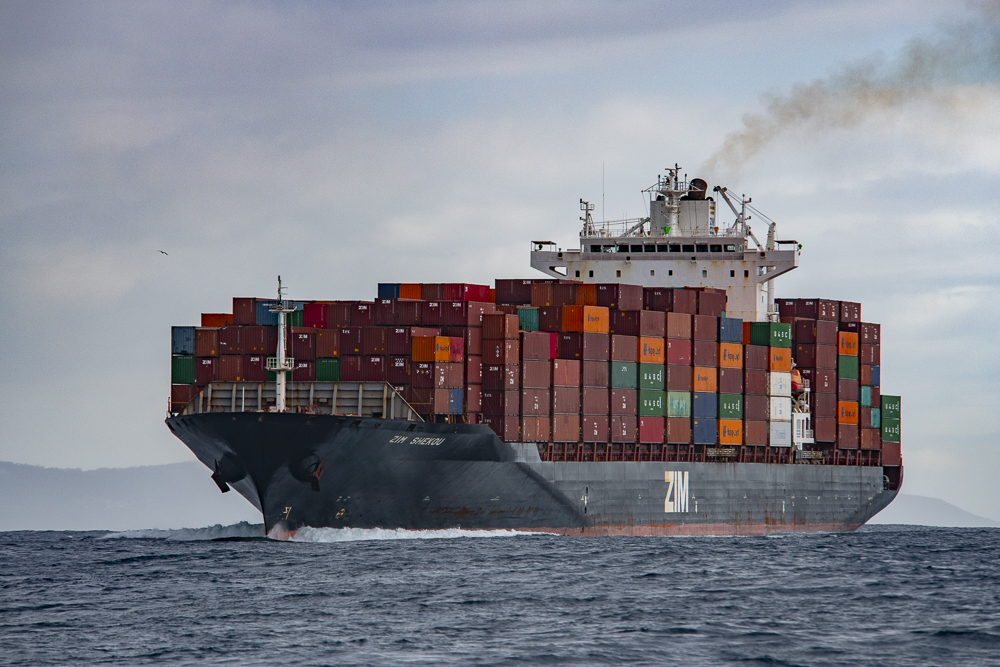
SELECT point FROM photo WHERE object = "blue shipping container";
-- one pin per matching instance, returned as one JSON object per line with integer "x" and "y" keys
{"x": 730, "y": 330}
{"x": 875, "y": 377}
{"x": 704, "y": 431}
{"x": 388, "y": 290}
{"x": 265, "y": 317}
{"x": 455, "y": 401}
{"x": 705, "y": 406}
{"x": 181, "y": 340}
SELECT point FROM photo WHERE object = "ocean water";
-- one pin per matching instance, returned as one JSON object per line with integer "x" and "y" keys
{"x": 885, "y": 595}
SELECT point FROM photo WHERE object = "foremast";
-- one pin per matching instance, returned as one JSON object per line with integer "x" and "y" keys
{"x": 281, "y": 364}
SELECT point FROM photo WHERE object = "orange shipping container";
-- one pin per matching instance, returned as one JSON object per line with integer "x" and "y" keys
{"x": 730, "y": 432}
{"x": 780, "y": 360}
{"x": 730, "y": 355}
{"x": 431, "y": 348}
{"x": 220, "y": 320}
{"x": 493, "y": 295}
{"x": 409, "y": 291}
{"x": 587, "y": 319}
{"x": 704, "y": 379}
{"x": 586, "y": 295}
{"x": 847, "y": 412}
{"x": 847, "y": 343}
{"x": 651, "y": 350}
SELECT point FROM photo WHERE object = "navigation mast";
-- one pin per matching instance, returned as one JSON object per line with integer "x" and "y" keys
{"x": 280, "y": 364}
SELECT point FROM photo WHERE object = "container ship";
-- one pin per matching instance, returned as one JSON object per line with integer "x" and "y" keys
{"x": 648, "y": 384}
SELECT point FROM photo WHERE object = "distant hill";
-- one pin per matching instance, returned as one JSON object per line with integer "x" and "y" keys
{"x": 924, "y": 511}
{"x": 180, "y": 495}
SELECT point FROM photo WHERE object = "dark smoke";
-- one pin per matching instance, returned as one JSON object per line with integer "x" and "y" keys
{"x": 968, "y": 53}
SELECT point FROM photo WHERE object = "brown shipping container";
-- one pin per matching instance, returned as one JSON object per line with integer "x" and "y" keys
{"x": 374, "y": 368}
{"x": 407, "y": 313}
{"x": 399, "y": 340}
{"x": 513, "y": 291}
{"x": 755, "y": 382}
{"x": 585, "y": 346}
{"x": 229, "y": 340}
{"x": 244, "y": 310}
{"x": 595, "y": 428}
{"x": 891, "y": 455}
{"x": 705, "y": 353}
{"x": 705, "y": 327}
{"x": 350, "y": 341}
{"x": 500, "y": 327}
{"x": 815, "y": 332}
{"x": 500, "y": 402}
{"x": 624, "y": 428}
{"x": 182, "y": 394}
{"x": 850, "y": 311}
{"x": 535, "y": 401}
{"x": 473, "y": 398}
{"x": 448, "y": 375}
{"x": 432, "y": 291}
{"x": 870, "y": 333}
{"x": 536, "y": 374}
{"x": 421, "y": 372}
{"x": 565, "y": 428}
{"x": 542, "y": 295}
{"x": 230, "y": 368}
{"x": 624, "y": 348}
{"x": 622, "y": 401}
{"x": 595, "y": 401}
{"x": 373, "y": 340}
{"x": 501, "y": 351}
{"x": 755, "y": 408}
{"x": 566, "y": 401}
{"x": 585, "y": 319}
{"x": 206, "y": 342}
{"x": 869, "y": 354}
{"x": 871, "y": 438}
{"x": 825, "y": 429}
{"x": 679, "y": 325}
{"x": 678, "y": 378}
{"x": 876, "y": 396}
{"x": 566, "y": 373}
{"x": 823, "y": 405}
{"x": 500, "y": 377}
{"x": 535, "y": 429}
{"x": 619, "y": 296}
{"x": 711, "y": 303}
{"x": 678, "y": 430}
{"x": 821, "y": 380}
{"x": 432, "y": 313}
{"x": 864, "y": 374}
{"x": 649, "y": 323}
{"x": 398, "y": 371}
{"x": 679, "y": 352}
{"x": 351, "y": 371}
{"x": 816, "y": 356}
{"x": 594, "y": 373}
{"x": 730, "y": 380}
{"x": 261, "y": 340}
{"x": 847, "y": 436}
{"x": 586, "y": 295}
{"x": 755, "y": 433}
{"x": 756, "y": 357}
{"x": 652, "y": 430}
{"x": 474, "y": 370}
{"x": 303, "y": 343}
{"x": 255, "y": 368}
{"x": 786, "y": 307}
{"x": 535, "y": 345}
{"x": 361, "y": 314}
{"x": 864, "y": 418}
{"x": 383, "y": 312}
{"x": 550, "y": 319}
{"x": 216, "y": 320}
{"x": 507, "y": 427}
{"x": 847, "y": 390}
{"x": 327, "y": 343}
{"x": 338, "y": 314}
{"x": 304, "y": 371}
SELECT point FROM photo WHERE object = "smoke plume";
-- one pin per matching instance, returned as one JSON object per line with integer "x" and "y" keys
{"x": 963, "y": 54}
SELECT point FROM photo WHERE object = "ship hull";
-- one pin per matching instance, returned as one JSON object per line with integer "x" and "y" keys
{"x": 329, "y": 471}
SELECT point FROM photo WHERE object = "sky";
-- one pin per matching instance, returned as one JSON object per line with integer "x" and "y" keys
{"x": 346, "y": 144}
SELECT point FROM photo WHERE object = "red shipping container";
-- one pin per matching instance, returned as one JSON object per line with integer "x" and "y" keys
{"x": 755, "y": 382}
{"x": 535, "y": 346}
{"x": 679, "y": 378}
{"x": 566, "y": 373}
{"x": 351, "y": 341}
{"x": 535, "y": 401}
{"x": 566, "y": 400}
{"x": 705, "y": 353}
{"x": 432, "y": 313}
{"x": 464, "y": 292}
{"x": 594, "y": 373}
{"x": 352, "y": 370}
{"x": 705, "y": 327}
{"x": 181, "y": 395}
{"x": 501, "y": 351}
{"x": 373, "y": 340}
{"x": 595, "y": 401}
{"x": 244, "y": 310}
{"x": 815, "y": 332}
{"x": 756, "y": 408}
{"x": 876, "y": 396}
{"x": 651, "y": 430}
{"x": 361, "y": 314}
{"x": 679, "y": 325}
{"x": 565, "y": 428}
{"x": 229, "y": 368}
{"x": 679, "y": 352}
{"x": 711, "y": 303}
{"x": 456, "y": 349}
{"x": 823, "y": 405}
{"x": 513, "y": 291}
{"x": 730, "y": 380}
{"x": 500, "y": 327}
{"x": 302, "y": 343}
{"x": 432, "y": 291}
{"x": 550, "y": 319}
{"x": 595, "y": 428}
{"x": 586, "y": 295}
{"x": 507, "y": 428}
{"x": 304, "y": 371}
{"x": 891, "y": 455}
{"x": 473, "y": 398}
{"x": 255, "y": 368}
{"x": 821, "y": 380}
{"x": 847, "y": 390}
{"x": 314, "y": 315}
{"x": 825, "y": 429}
{"x": 206, "y": 342}
{"x": 501, "y": 377}
{"x": 755, "y": 433}
{"x": 623, "y": 428}
{"x": 625, "y": 348}
{"x": 338, "y": 314}
{"x": 870, "y": 333}
{"x": 815, "y": 356}
{"x": 585, "y": 346}
{"x": 864, "y": 375}
{"x": 622, "y": 401}
{"x": 216, "y": 320}
{"x": 229, "y": 340}
{"x": 619, "y": 296}
{"x": 847, "y": 436}
{"x": 327, "y": 343}
{"x": 407, "y": 313}
{"x": 474, "y": 370}
{"x": 678, "y": 430}
{"x": 649, "y": 323}
{"x": 399, "y": 340}
{"x": 535, "y": 429}
{"x": 756, "y": 357}
{"x": 500, "y": 402}
{"x": 850, "y": 311}
{"x": 536, "y": 374}
{"x": 397, "y": 371}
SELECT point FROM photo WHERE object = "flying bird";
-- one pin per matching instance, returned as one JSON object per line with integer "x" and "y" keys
{"x": 166, "y": 253}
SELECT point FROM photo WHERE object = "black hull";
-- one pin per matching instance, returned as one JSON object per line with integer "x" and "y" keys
{"x": 329, "y": 471}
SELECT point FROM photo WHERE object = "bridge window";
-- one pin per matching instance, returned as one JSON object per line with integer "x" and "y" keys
{"x": 661, "y": 248}
{"x": 701, "y": 247}
{"x": 688, "y": 248}
{"x": 595, "y": 248}
{"x": 674, "y": 247}
{"x": 730, "y": 248}
{"x": 715, "y": 248}
{"x": 609, "y": 248}
{"x": 637, "y": 248}
{"x": 649, "y": 248}
{"x": 623, "y": 247}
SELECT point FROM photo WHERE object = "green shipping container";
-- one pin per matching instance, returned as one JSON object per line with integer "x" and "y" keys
{"x": 527, "y": 319}
{"x": 771, "y": 334}
{"x": 730, "y": 406}
{"x": 847, "y": 368}
{"x": 865, "y": 396}
{"x": 652, "y": 403}
{"x": 624, "y": 374}
{"x": 294, "y": 318}
{"x": 651, "y": 376}
{"x": 328, "y": 370}
{"x": 891, "y": 407}
{"x": 890, "y": 430}
{"x": 181, "y": 369}
{"x": 876, "y": 418}
{"x": 272, "y": 376}
{"x": 679, "y": 404}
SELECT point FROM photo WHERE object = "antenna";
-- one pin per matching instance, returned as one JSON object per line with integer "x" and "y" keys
{"x": 604, "y": 215}
{"x": 280, "y": 364}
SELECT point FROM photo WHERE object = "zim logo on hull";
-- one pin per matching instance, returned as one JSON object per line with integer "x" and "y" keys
{"x": 677, "y": 491}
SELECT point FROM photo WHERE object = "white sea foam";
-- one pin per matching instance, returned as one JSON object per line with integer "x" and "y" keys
{"x": 241, "y": 529}
{"x": 307, "y": 534}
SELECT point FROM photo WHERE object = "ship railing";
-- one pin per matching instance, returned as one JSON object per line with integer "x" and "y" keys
{"x": 272, "y": 364}
{"x": 364, "y": 399}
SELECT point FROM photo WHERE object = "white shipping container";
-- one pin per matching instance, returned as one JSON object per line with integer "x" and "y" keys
{"x": 779, "y": 384}
{"x": 781, "y": 409}
{"x": 781, "y": 434}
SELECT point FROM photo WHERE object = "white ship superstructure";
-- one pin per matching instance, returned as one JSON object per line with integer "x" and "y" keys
{"x": 680, "y": 244}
